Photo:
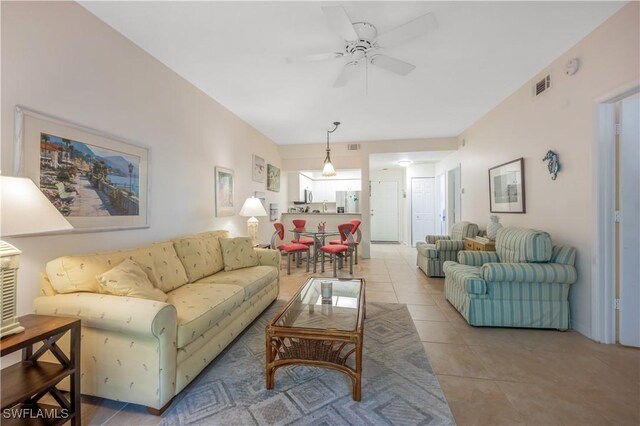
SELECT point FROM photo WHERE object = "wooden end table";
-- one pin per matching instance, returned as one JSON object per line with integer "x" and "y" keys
{"x": 25, "y": 383}
{"x": 477, "y": 245}
{"x": 308, "y": 331}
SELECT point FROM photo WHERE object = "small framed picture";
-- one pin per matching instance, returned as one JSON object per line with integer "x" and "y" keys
{"x": 262, "y": 197}
{"x": 273, "y": 212}
{"x": 224, "y": 192}
{"x": 259, "y": 169}
{"x": 273, "y": 178}
{"x": 506, "y": 187}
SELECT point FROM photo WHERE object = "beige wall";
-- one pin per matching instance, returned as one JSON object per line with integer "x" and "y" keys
{"x": 59, "y": 59}
{"x": 563, "y": 120}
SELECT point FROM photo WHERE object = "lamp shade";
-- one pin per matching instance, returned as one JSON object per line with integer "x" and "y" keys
{"x": 252, "y": 207}
{"x": 24, "y": 209}
{"x": 328, "y": 169}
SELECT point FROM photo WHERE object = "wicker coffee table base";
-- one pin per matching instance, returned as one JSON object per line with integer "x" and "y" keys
{"x": 324, "y": 348}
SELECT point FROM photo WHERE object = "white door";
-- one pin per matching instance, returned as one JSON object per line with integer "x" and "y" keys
{"x": 630, "y": 223}
{"x": 423, "y": 217}
{"x": 441, "y": 203}
{"x": 384, "y": 211}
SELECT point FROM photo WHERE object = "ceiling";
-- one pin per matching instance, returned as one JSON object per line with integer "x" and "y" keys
{"x": 390, "y": 160}
{"x": 235, "y": 52}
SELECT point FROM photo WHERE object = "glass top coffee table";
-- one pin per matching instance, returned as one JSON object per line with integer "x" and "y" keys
{"x": 322, "y": 326}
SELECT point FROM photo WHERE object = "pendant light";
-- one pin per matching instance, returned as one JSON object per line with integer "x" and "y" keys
{"x": 328, "y": 169}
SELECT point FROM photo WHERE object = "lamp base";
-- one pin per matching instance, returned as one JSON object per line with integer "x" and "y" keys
{"x": 10, "y": 327}
{"x": 252, "y": 230}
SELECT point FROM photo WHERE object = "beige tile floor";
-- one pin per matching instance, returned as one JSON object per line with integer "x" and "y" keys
{"x": 489, "y": 376}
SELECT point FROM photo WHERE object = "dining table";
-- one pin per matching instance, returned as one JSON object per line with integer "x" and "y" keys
{"x": 319, "y": 239}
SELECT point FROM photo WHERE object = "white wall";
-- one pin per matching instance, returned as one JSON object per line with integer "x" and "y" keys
{"x": 562, "y": 119}
{"x": 59, "y": 59}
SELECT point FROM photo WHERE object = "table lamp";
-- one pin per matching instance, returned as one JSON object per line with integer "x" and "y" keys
{"x": 253, "y": 207}
{"x": 24, "y": 210}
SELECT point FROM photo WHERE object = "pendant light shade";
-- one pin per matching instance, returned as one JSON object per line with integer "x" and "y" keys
{"x": 328, "y": 169}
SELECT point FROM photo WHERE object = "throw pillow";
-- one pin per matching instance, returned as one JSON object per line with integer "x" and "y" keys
{"x": 238, "y": 253}
{"x": 128, "y": 279}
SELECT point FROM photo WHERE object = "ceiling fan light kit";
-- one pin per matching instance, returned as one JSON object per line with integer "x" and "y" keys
{"x": 328, "y": 169}
{"x": 363, "y": 43}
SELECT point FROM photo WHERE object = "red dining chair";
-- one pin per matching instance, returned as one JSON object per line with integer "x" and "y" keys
{"x": 300, "y": 224}
{"x": 340, "y": 251}
{"x": 288, "y": 249}
{"x": 356, "y": 233}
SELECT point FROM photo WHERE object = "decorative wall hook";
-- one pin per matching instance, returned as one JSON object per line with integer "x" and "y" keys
{"x": 553, "y": 165}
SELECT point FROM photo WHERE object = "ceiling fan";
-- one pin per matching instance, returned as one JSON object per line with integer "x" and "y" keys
{"x": 363, "y": 43}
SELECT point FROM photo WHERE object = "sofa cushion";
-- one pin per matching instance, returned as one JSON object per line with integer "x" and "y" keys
{"x": 201, "y": 306}
{"x": 159, "y": 261}
{"x": 197, "y": 256}
{"x": 238, "y": 253}
{"x": 463, "y": 229}
{"x": 252, "y": 279}
{"x": 128, "y": 279}
{"x": 519, "y": 245}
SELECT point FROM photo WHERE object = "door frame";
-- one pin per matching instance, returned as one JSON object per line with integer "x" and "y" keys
{"x": 603, "y": 271}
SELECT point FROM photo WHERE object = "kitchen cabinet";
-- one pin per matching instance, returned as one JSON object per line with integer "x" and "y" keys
{"x": 325, "y": 190}
{"x": 296, "y": 184}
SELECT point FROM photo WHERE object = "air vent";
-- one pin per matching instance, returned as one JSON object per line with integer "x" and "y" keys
{"x": 543, "y": 85}
{"x": 353, "y": 147}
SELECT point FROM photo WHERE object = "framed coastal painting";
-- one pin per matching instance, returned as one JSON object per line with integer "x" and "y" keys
{"x": 273, "y": 178}
{"x": 258, "y": 169}
{"x": 98, "y": 181}
{"x": 273, "y": 212}
{"x": 506, "y": 187}
{"x": 224, "y": 192}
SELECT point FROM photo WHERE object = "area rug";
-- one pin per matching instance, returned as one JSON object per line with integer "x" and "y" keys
{"x": 398, "y": 385}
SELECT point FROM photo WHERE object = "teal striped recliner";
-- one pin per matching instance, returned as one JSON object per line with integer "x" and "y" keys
{"x": 524, "y": 283}
{"x": 436, "y": 249}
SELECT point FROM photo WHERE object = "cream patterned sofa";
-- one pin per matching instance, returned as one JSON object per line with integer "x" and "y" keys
{"x": 145, "y": 351}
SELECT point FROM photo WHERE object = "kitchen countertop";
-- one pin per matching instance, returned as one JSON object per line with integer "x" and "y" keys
{"x": 325, "y": 213}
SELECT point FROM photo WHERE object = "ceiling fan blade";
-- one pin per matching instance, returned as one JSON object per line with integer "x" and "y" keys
{"x": 346, "y": 74}
{"x": 339, "y": 22}
{"x": 314, "y": 57}
{"x": 412, "y": 29}
{"x": 392, "y": 64}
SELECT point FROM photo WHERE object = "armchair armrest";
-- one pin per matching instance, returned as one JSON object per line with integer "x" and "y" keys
{"x": 477, "y": 258}
{"x": 431, "y": 239}
{"x": 269, "y": 257}
{"x": 127, "y": 315}
{"x": 449, "y": 245}
{"x": 552, "y": 273}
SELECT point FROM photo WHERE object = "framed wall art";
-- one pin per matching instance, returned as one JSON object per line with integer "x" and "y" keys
{"x": 273, "y": 178}
{"x": 262, "y": 197}
{"x": 258, "y": 169}
{"x": 273, "y": 212}
{"x": 506, "y": 187}
{"x": 224, "y": 192}
{"x": 99, "y": 181}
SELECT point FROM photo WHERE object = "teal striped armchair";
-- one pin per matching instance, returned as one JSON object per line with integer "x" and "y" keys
{"x": 436, "y": 249}
{"x": 524, "y": 283}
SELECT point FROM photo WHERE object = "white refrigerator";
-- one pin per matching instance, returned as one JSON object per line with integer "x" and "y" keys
{"x": 348, "y": 201}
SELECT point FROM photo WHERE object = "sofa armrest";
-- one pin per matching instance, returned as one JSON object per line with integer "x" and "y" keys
{"x": 269, "y": 257}
{"x": 431, "y": 239}
{"x": 449, "y": 245}
{"x": 551, "y": 273}
{"x": 126, "y": 315}
{"x": 477, "y": 258}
